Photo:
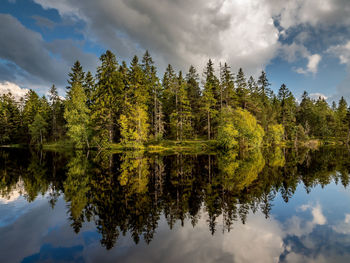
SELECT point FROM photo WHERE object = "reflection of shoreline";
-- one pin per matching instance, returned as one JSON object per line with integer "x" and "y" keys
{"x": 13, "y": 194}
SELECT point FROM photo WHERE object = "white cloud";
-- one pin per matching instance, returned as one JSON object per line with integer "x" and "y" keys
{"x": 342, "y": 52}
{"x": 312, "y": 65}
{"x": 180, "y": 32}
{"x": 318, "y": 95}
{"x": 8, "y": 87}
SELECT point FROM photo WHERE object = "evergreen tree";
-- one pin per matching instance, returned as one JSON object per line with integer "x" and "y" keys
{"x": 181, "y": 117}
{"x": 263, "y": 88}
{"x": 210, "y": 98}
{"x": 57, "y": 111}
{"x": 75, "y": 76}
{"x": 10, "y": 120}
{"x": 155, "y": 92}
{"x": 38, "y": 129}
{"x": 242, "y": 92}
{"x": 76, "y": 114}
{"x": 107, "y": 99}
{"x": 228, "y": 93}
{"x": 31, "y": 108}
{"x": 194, "y": 96}
{"x": 134, "y": 121}
{"x": 170, "y": 98}
{"x": 89, "y": 87}
{"x": 341, "y": 118}
{"x": 287, "y": 111}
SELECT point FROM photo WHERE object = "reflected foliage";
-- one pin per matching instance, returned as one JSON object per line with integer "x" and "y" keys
{"x": 131, "y": 192}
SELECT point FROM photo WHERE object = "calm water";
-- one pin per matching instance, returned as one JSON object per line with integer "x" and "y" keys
{"x": 278, "y": 205}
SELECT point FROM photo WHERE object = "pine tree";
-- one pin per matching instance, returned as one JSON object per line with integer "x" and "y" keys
{"x": 89, "y": 86}
{"x": 263, "y": 88}
{"x": 287, "y": 111}
{"x": 31, "y": 108}
{"x": 181, "y": 117}
{"x": 134, "y": 121}
{"x": 38, "y": 129}
{"x": 341, "y": 118}
{"x": 10, "y": 120}
{"x": 242, "y": 92}
{"x": 76, "y": 114}
{"x": 76, "y": 75}
{"x": 229, "y": 96}
{"x": 210, "y": 98}
{"x": 194, "y": 96}
{"x": 169, "y": 99}
{"x": 107, "y": 99}
{"x": 57, "y": 110}
{"x": 155, "y": 92}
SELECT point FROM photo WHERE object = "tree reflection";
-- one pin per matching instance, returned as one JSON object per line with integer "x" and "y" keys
{"x": 130, "y": 192}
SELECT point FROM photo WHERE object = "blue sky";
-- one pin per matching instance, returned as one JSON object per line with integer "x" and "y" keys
{"x": 304, "y": 44}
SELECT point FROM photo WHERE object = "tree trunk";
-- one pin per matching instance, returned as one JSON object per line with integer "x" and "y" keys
{"x": 208, "y": 125}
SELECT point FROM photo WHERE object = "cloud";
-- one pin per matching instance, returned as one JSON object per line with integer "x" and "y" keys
{"x": 43, "y": 22}
{"x": 342, "y": 52}
{"x": 8, "y": 87}
{"x": 318, "y": 95}
{"x": 181, "y": 32}
{"x": 312, "y": 65}
{"x": 323, "y": 13}
{"x": 35, "y": 62}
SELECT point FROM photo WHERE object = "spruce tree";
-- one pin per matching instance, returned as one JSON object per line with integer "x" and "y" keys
{"x": 169, "y": 99}
{"x": 194, "y": 96}
{"x": 107, "y": 99}
{"x": 76, "y": 114}
{"x": 242, "y": 92}
{"x": 76, "y": 75}
{"x": 134, "y": 121}
{"x": 89, "y": 86}
{"x": 228, "y": 92}
{"x": 210, "y": 99}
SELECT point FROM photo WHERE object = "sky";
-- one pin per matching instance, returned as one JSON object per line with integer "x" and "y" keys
{"x": 302, "y": 43}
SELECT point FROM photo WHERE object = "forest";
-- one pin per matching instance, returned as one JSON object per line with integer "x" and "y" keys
{"x": 132, "y": 106}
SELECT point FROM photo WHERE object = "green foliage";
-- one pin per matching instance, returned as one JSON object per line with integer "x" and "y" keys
{"x": 38, "y": 129}
{"x": 107, "y": 98}
{"x": 241, "y": 126}
{"x": 250, "y": 133}
{"x": 227, "y": 133}
{"x": 274, "y": 134}
{"x": 10, "y": 119}
{"x": 131, "y": 105}
{"x": 76, "y": 114}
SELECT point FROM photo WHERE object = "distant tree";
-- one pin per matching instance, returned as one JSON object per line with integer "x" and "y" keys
{"x": 211, "y": 98}
{"x": 38, "y": 129}
{"x": 194, "y": 96}
{"x": 75, "y": 76}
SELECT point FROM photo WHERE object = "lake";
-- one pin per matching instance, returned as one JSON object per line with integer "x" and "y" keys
{"x": 268, "y": 205}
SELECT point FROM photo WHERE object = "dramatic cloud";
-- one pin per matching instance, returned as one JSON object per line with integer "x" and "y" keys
{"x": 35, "y": 61}
{"x": 180, "y": 32}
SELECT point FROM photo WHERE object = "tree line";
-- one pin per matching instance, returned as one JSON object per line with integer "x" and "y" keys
{"x": 131, "y": 105}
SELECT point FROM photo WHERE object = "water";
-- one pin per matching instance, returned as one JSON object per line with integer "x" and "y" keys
{"x": 276, "y": 205}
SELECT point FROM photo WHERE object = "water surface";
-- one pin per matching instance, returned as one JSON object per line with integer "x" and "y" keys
{"x": 273, "y": 205}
